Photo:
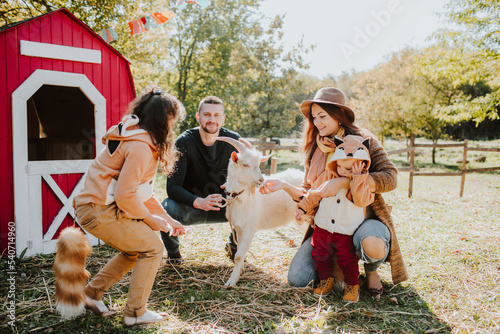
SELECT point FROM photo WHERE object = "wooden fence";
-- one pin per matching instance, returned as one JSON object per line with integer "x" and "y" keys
{"x": 416, "y": 172}
{"x": 267, "y": 147}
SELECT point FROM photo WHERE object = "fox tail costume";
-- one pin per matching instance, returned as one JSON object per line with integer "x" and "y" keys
{"x": 73, "y": 249}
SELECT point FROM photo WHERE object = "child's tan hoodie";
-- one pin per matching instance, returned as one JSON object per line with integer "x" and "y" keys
{"x": 124, "y": 172}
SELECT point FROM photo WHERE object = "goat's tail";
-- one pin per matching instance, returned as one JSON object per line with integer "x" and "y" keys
{"x": 69, "y": 270}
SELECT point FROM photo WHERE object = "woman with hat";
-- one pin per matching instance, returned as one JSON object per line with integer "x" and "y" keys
{"x": 375, "y": 240}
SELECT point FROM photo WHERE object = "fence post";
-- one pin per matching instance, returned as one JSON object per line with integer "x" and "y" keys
{"x": 464, "y": 168}
{"x": 412, "y": 165}
{"x": 274, "y": 166}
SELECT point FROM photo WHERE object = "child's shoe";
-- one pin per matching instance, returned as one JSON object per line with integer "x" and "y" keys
{"x": 147, "y": 318}
{"x": 351, "y": 293}
{"x": 324, "y": 288}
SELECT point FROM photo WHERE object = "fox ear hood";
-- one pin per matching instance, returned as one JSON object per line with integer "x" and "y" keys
{"x": 350, "y": 146}
{"x": 126, "y": 130}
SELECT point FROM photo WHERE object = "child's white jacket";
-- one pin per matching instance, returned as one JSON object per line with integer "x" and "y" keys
{"x": 344, "y": 212}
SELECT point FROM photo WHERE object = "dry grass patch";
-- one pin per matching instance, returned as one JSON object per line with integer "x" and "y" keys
{"x": 450, "y": 245}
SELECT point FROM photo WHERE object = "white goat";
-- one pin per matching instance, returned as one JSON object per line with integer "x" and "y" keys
{"x": 247, "y": 209}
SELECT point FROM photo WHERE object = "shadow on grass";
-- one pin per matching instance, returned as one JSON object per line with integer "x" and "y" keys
{"x": 196, "y": 299}
{"x": 400, "y": 310}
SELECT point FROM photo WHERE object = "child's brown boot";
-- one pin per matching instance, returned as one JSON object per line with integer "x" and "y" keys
{"x": 351, "y": 293}
{"x": 324, "y": 288}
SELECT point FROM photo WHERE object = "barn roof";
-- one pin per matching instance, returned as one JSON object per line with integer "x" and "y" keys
{"x": 71, "y": 16}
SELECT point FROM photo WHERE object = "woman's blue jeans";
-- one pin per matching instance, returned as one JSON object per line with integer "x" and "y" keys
{"x": 301, "y": 272}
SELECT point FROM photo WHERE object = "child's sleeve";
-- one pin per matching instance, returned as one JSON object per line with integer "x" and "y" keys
{"x": 360, "y": 190}
{"x": 309, "y": 202}
{"x": 154, "y": 206}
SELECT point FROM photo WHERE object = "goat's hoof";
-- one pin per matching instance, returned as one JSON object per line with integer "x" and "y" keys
{"x": 230, "y": 283}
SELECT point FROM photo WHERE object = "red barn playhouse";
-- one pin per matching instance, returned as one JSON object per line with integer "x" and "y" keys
{"x": 61, "y": 87}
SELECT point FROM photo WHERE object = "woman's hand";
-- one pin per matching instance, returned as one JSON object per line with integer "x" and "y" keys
{"x": 272, "y": 185}
{"x": 331, "y": 187}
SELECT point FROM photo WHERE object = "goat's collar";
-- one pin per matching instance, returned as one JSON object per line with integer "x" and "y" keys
{"x": 234, "y": 194}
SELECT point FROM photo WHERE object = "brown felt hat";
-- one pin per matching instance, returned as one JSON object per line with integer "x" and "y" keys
{"x": 328, "y": 95}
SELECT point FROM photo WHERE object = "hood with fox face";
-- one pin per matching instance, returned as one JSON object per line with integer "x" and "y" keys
{"x": 350, "y": 146}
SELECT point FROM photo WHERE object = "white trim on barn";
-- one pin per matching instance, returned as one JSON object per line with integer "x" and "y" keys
{"x": 54, "y": 51}
{"x": 28, "y": 175}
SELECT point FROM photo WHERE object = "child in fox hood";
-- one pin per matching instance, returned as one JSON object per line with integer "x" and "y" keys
{"x": 117, "y": 205}
{"x": 339, "y": 216}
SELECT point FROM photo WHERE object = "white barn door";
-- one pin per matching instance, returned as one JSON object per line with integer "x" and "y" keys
{"x": 30, "y": 174}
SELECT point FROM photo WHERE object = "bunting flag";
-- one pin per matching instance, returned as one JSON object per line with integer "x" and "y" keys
{"x": 108, "y": 35}
{"x": 202, "y": 3}
{"x": 136, "y": 27}
{"x": 151, "y": 21}
{"x": 164, "y": 16}
{"x": 181, "y": 4}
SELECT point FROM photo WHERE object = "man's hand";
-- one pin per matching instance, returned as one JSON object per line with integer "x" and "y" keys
{"x": 209, "y": 203}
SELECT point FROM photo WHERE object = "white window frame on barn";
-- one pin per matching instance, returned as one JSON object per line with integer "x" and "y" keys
{"x": 29, "y": 175}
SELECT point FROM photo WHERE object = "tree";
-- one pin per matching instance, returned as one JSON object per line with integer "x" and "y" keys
{"x": 271, "y": 81}
{"x": 226, "y": 51}
{"x": 469, "y": 55}
{"x": 221, "y": 50}
{"x": 398, "y": 98}
{"x": 385, "y": 97}
{"x": 201, "y": 46}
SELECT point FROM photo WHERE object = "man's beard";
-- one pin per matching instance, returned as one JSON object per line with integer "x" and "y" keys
{"x": 205, "y": 128}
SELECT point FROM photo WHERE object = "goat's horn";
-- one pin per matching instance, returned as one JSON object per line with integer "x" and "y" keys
{"x": 246, "y": 142}
{"x": 237, "y": 145}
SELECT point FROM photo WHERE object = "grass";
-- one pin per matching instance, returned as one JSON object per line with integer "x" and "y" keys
{"x": 450, "y": 245}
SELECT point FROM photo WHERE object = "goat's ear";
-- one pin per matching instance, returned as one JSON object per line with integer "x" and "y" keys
{"x": 234, "y": 157}
{"x": 262, "y": 159}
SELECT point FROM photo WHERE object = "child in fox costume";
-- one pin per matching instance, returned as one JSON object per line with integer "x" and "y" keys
{"x": 117, "y": 205}
{"x": 339, "y": 216}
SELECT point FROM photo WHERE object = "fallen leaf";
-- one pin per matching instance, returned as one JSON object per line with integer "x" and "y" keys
{"x": 394, "y": 300}
{"x": 289, "y": 242}
{"x": 454, "y": 296}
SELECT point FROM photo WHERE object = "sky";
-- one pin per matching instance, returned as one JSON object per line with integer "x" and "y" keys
{"x": 357, "y": 34}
